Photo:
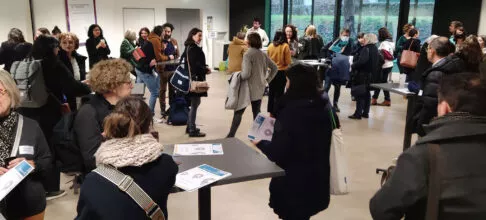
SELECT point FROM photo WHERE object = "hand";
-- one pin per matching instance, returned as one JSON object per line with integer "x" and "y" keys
{"x": 86, "y": 82}
{"x": 171, "y": 57}
{"x": 3, "y": 170}
{"x": 16, "y": 161}
{"x": 153, "y": 63}
{"x": 255, "y": 142}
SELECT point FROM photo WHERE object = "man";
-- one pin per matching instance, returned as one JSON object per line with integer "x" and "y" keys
{"x": 460, "y": 132}
{"x": 343, "y": 45}
{"x": 256, "y": 28}
{"x": 438, "y": 53}
{"x": 453, "y": 26}
{"x": 170, "y": 51}
{"x": 236, "y": 50}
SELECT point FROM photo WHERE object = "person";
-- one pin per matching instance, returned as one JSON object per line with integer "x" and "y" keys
{"x": 300, "y": 145}
{"x": 60, "y": 82}
{"x": 170, "y": 52}
{"x": 255, "y": 70}
{"x": 14, "y": 49}
{"x": 279, "y": 52}
{"x": 438, "y": 53}
{"x": 312, "y": 44}
{"x": 386, "y": 48}
{"x": 453, "y": 26}
{"x": 337, "y": 76}
{"x": 366, "y": 63}
{"x": 256, "y": 28}
{"x": 75, "y": 62}
{"x": 423, "y": 63}
{"x": 96, "y": 45}
{"x": 470, "y": 51}
{"x": 412, "y": 44}
{"x": 344, "y": 44}
{"x": 128, "y": 46}
{"x": 133, "y": 151}
{"x": 292, "y": 40}
{"x": 41, "y": 31}
{"x": 33, "y": 148}
{"x": 143, "y": 36}
{"x": 110, "y": 80}
{"x": 236, "y": 49}
{"x": 460, "y": 132}
{"x": 56, "y": 31}
{"x": 482, "y": 42}
{"x": 459, "y": 37}
{"x": 199, "y": 69}
{"x": 399, "y": 45}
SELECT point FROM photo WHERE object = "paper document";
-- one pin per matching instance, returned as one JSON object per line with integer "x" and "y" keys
{"x": 197, "y": 149}
{"x": 404, "y": 90}
{"x": 262, "y": 128}
{"x": 13, "y": 177}
{"x": 198, "y": 177}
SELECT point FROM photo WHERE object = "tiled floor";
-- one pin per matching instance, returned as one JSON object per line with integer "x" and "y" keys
{"x": 369, "y": 144}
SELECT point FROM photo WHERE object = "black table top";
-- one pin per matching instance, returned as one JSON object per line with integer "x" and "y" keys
{"x": 243, "y": 162}
{"x": 394, "y": 88}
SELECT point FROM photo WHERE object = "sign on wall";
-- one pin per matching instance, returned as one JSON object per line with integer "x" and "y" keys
{"x": 80, "y": 14}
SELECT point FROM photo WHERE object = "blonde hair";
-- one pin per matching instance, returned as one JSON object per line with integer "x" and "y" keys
{"x": 107, "y": 75}
{"x": 75, "y": 38}
{"x": 370, "y": 38}
{"x": 311, "y": 31}
{"x": 130, "y": 35}
{"x": 11, "y": 87}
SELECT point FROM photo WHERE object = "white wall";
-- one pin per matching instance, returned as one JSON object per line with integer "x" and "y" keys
{"x": 482, "y": 21}
{"x": 15, "y": 13}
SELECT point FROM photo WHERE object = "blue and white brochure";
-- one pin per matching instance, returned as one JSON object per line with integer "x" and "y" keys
{"x": 198, "y": 149}
{"x": 198, "y": 177}
{"x": 13, "y": 177}
{"x": 262, "y": 128}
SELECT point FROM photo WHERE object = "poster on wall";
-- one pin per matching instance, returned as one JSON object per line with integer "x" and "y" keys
{"x": 80, "y": 14}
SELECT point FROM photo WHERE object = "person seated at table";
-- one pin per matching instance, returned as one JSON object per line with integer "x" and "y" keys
{"x": 460, "y": 131}
{"x": 300, "y": 145}
{"x": 28, "y": 199}
{"x": 132, "y": 150}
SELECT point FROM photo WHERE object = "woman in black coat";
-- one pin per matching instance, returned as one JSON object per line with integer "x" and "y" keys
{"x": 412, "y": 44}
{"x": 96, "y": 45}
{"x": 198, "y": 68}
{"x": 14, "y": 49}
{"x": 301, "y": 145}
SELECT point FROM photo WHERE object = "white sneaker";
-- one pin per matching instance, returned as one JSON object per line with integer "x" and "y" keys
{"x": 158, "y": 121}
{"x": 55, "y": 195}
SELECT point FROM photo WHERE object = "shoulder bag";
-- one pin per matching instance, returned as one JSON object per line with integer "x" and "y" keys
{"x": 18, "y": 135}
{"x": 196, "y": 86}
{"x": 338, "y": 184}
{"x": 409, "y": 58}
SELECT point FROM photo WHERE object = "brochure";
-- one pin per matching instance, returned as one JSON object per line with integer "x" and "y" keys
{"x": 197, "y": 149}
{"x": 198, "y": 177}
{"x": 13, "y": 177}
{"x": 262, "y": 128}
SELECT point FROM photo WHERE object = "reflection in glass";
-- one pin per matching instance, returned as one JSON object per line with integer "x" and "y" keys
{"x": 276, "y": 17}
{"x": 300, "y": 12}
{"x": 324, "y": 18}
{"x": 421, "y": 15}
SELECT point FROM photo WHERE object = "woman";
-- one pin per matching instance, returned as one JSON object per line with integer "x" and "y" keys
{"x": 14, "y": 49}
{"x": 56, "y": 32}
{"x": 300, "y": 145}
{"x": 482, "y": 42}
{"x": 75, "y": 62}
{"x": 41, "y": 31}
{"x": 470, "y": 51}
{"x": 110, "y": 80}
{"x": 143, "y": 36}
{"x": 386, "y": 48}
{"x": 96, "y": 45}
{"x": 132, "y": 150}
{"x": 60, "y": 82}
{"x": 366, "y": 63}
{"x": 279, "y": 52}
{"x": 312, "y": 44}
{"x": 236, "y": 49}
{"x": 292, "y": 40}
{"x": 33, "y": 148}
{"x": 399, "y": 46}
{"x": 128, "y": 46}
{"x": 412, "y": 44}
{"x": 255, "y": 70}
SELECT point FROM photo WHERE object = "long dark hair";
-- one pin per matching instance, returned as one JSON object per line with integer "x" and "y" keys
{"x": 294, "y": 31}
{"x": 189, "y": 39}
{"x": 91, "y": 28}
{"x": 131, "y": 117}
{"x": 43, "y": 48}
{"x": 279, "y": 38}
{"x": 140, "y": 32}
{"x": 15, "y": 36}
{"x": 470, "y": 51}
{"x": 303, "y": 82}
{"x": 384, "y": 34}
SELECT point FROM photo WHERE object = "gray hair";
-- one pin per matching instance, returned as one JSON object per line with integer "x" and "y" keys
{"x": 370, "y": 38}
{"x": 431, "y": 38}
{"x": 130, "y": 35}
{"x": 13, "y": 92}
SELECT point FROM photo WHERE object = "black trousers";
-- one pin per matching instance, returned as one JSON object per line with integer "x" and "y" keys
{"x": 384, "y": 78}
{"x": 277, "y": 89}
{"x": 255, "y": 107}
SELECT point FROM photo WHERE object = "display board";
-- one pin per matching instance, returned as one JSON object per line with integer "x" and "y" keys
{"x": 80, "y": 14}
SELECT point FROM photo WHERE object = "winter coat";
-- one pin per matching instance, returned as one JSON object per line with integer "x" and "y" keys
{"x": 367, "y": 63}
{"x": 339, "y": 72}
{"x": 462, "y": 141}
{"x": 236, "y": 50}
{"x": 255, "y": 70}
{"x": 144, "y": 63}
{"x": 81, "y": 64}
{"x": 426, "y": 106}
{"x": 126, "y": 50}
{"x": 11, "y": 52}
{"x": 96, "y": 55}
{"x": 238, "y": 93}
{"x": 311, "y": 47}
{"x": 199, "y": 68}
{"x": 423, "y": 63}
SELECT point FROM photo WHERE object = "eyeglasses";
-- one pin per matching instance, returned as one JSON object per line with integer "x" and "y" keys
{"x": 3, "y": 92}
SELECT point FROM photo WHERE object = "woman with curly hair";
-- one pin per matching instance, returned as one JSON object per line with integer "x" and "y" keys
{"x": 292, "y": 39}
{"x": 110, "y": 80}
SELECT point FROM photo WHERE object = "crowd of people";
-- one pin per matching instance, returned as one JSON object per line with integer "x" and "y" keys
{"x": 112, "y": 128}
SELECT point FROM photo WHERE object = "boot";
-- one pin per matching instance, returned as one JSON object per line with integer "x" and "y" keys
{"x": 385, "y": 103}
{"x": 187, "y": 130}
{"x": 196, "y": 133}
{"x": 374, "y": 101}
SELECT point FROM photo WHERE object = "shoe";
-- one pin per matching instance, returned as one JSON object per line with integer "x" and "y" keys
{"x": 374, "y": 102}
{"x": 355, "y": 117}
{"x": 385, "y": 103}
{"x": 187, "y": 130}
{"x": 163, "y": 115}
{"x": 365, "y": 116}
{"x": 55, "y": 195}
{"x": 336, "y": 108}
{"x": 158, "y": 121}
{"x": 197, "y": 134}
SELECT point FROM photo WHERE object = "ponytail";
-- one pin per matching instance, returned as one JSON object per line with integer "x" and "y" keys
{"x": 119, "y": 125}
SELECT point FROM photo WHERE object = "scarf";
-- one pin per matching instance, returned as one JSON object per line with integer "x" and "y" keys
{"x": 7, "y": 135}
{"x": 126, "y": 152}
{"x": 338, "y": 47}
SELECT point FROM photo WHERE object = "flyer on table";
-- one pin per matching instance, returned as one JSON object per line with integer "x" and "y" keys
{"x": 198, "y": 177}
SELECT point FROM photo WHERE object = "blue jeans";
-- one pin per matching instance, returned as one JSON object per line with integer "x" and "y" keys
{"x": 152, "y": 83}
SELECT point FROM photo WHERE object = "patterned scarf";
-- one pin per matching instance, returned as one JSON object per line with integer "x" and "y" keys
{"x": 8, "y": 130}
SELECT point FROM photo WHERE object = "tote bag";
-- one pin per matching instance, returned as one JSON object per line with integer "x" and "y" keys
{"x": 337, "y": 159}
{"x": 409, "y": 58}
{"x": 138, "y": 54}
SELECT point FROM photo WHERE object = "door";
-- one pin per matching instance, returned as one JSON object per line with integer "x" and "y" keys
{"x": 183, "y": 20}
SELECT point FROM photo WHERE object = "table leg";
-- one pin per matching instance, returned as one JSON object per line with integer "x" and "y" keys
{"x": 204, "y": 202}
{"x": 407, "y": 139}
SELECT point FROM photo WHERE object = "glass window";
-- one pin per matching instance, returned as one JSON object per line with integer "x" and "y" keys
{"x": 276, "y": 17}
{"x": 350, "y": 15}
{"x": 300, "y": 14}
{"x": 324, "y": 18}
{"x": 421, "y": 15}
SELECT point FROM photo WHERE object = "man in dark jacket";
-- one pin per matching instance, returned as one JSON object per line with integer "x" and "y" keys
{"x": 442, "y": 64}
{"x": 337, "y": 76}
{"x": 460, "y": 132}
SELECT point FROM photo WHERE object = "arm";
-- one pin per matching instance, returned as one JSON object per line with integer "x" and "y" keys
{"x": 178, "y": 53}
{"x": 278, "y": 149}
{"x": 105, "y": 51}
{"x": 246, "y": 68}
{"x": 70, "y": 86}
{"x": 157, "y": 46}
{"x": 287, "y": 55}
{"x": 265, "y": 39}
{"x": 363, "y": 58}
{"x": 91, "y": 48}
{"x": 126, "y": 49}
{"x": 42, "y": 157}
{"x": 164, "y": 57}
{"x": 88, "y": 135}
{"x": 273, "y": 69}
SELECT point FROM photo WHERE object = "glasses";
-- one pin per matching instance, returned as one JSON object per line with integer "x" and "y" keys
{"x": 3, "y": 92}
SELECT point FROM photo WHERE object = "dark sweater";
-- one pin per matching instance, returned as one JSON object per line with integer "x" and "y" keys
{"x": 11, "y": 52}
{"x": 199, "y": 68}
{"x": 81, "y": 60}
{"x": 144, "y": 63}
{"x": 96, "y": 55}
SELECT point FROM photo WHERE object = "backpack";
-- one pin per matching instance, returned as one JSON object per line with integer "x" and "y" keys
{"x": 30, "y": 82}
{"x": 178, "y": 111}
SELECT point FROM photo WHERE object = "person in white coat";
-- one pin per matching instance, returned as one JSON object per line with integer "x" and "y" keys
{"x": 386, "y": 48}
{"x": 256, "y": 29}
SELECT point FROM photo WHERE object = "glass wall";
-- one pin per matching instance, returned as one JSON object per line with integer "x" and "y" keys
{"x": 300, "y": 14}
{"x": 421, "y": 15}
{"x": 276, "y": 17}
{"x": 324, "y": 18}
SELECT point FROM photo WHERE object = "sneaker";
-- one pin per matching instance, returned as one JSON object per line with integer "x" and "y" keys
{"x": 385, "y": 103}
{"x": 55, "y": 195}
{"x": 374, "y": 102}
{"x": 158, "y": 121}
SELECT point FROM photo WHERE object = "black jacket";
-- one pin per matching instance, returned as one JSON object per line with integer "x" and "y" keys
{"x": 144, "y": 63}
{"x": 462, "y": 140}
{"x": 11, "y": 52}
{"x": 413, "y": 45}
{"x": 81, "y": 60}
{"x": 100, "y": 199}
{"x": 426, "y": 106}
{"x": 300, "y": 145}
{"x": 88, "y": 127}
{"x": 199, "y": 68}
{"x": 311, "y": 47}
{"x": 96, "y": 55}
{"x": 422, "y": 65}
{"x": 367, "y": 63}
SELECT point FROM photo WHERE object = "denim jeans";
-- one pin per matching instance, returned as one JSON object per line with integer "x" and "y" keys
{"x": 384, "y": 78}
{"x": 255, "y": 106}
{"x": 191, "y": 122}
{"x": 337, "y": 89}
{"x": 152, "y": 83}
{"x": 363, "y": 104}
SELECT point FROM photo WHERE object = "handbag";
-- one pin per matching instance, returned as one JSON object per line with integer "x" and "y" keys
{"x": 338, "y": 184}
{"x": 196, "y": 86}
{"x": 138, "y": 54}
{"x": 409, "y": 58}
{"x": 387, "y": 55}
